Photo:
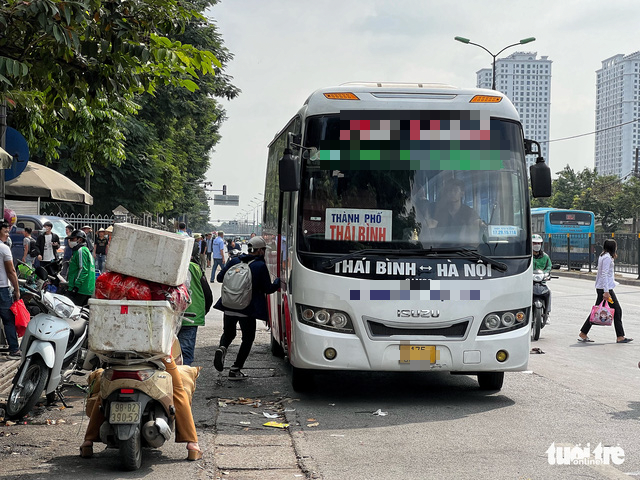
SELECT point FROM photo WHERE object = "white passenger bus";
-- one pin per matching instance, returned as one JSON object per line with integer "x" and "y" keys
{"x": 398, "y": 220}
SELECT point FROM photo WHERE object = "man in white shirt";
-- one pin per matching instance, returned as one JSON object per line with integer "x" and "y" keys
{"x": 8, "y": 277}
{"x": 48, "y": 244}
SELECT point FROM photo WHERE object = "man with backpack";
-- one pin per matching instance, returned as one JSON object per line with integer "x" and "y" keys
{"x": 31, "y": 251}
{"x": 245, "y": 284}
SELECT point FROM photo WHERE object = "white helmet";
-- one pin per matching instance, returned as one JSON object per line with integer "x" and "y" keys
{"x": 536, "y": 238}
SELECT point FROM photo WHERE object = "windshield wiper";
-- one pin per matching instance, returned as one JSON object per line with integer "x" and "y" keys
{"x": 468, "y": 252}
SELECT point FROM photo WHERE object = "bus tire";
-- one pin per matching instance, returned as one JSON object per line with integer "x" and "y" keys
{"x": 490, "y": 380}
{"x": 536, "y": 324}
{"x": 302, "y": 379}
{"x": 276, "y": 348}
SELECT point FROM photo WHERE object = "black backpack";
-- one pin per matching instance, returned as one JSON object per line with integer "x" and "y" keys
{"x": 34, "y": 251}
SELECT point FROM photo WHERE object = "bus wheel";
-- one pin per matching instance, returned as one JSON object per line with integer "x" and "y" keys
{"x": 536, "y": 324}
{"x": 302, "y": 379}
{"x": 490, "y": 380}
{"x": 276, "y": 348}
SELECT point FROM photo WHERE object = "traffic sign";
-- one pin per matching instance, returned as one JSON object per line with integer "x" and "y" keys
{"x": 17, "y": 147}
{"x": 229, "y": 200}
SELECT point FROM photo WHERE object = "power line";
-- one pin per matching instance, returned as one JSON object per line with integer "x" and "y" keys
{"x": 590, "y": 133}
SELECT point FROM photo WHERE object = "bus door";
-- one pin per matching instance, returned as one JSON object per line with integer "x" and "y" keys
{"x": 283, "y": 270}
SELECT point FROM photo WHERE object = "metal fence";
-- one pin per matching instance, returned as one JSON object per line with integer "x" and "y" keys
{"x": 99, "y": 221}
{"x": 581, "y": 250}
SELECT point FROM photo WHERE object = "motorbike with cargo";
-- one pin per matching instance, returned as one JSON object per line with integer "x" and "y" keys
{"x": 53, "y": 346}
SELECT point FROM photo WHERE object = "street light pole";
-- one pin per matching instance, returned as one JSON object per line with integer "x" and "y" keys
{"x": 468, "y": 42}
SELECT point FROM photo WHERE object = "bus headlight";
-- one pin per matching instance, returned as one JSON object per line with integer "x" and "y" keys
{"x": 322, "y": 317}
{"x": 508, "y": 319}
{"x": 504, "y": 321}
{"x": 492, "y": 322}
{"x": 325, "y": 318}
{"x": 339, "y": 320}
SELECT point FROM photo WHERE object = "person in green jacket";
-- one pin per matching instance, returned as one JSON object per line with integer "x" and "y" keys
{"x": 201, "y": 301}
{"x": 541, "y": 260}
{"x": 81, "y": 274}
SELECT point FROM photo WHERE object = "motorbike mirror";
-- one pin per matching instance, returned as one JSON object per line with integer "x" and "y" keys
{"x": 41, "y": 273}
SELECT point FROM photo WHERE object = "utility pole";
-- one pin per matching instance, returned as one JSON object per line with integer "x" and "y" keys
{"x": 3, "y": 144}
{"x": 635, "y": 214}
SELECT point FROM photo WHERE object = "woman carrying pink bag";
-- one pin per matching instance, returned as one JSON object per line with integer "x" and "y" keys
{"x": 604, "y": 288}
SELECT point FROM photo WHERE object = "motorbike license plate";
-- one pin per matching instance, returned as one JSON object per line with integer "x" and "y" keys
{"x": 124, "y": 412}
{"x": 419, "y": 353}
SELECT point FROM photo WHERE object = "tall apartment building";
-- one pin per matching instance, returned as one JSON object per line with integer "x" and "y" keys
{"x": 526, "y": 81}
{"x": 617, "y": 103}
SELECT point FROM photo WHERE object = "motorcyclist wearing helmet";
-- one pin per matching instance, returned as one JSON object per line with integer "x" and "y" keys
{"x": 541, "y": 260}
{"x": 82, "y": 273}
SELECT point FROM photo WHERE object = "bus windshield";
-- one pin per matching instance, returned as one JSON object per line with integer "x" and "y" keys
{"x": 413, "y": 183}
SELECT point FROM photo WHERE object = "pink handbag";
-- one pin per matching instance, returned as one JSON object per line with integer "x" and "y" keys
{"x": 601, "y": 314}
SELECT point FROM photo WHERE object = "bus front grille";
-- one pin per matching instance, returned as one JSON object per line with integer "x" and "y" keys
{"x": 457, "y": 330}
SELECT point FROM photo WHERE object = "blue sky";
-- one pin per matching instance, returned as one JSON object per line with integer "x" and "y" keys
{"x": 286, "y": 49}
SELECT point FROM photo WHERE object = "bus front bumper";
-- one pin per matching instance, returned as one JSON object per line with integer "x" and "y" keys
{"x": 309, "y": 350}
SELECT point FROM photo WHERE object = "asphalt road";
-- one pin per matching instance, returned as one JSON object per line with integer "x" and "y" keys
{"x": 436, "y": 425}
{"x": 442, "y": 426}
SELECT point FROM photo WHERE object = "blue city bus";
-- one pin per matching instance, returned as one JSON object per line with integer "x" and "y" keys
{"x": 553, "y": 224}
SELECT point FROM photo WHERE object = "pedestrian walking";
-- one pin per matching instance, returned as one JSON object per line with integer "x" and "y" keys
{"x": 605, "y": 285}
{"x": 88, "y": 231}
{"x": 8, "y": 278}
{"x": 209, "y": 242}
{"x": 201, "y": 301}
{"x": 68, "y": 251}
{"x": 30, "y": 252}
{"x": 217, "y": 254}
{"x": 82, "y": 273}
{"x": 261, "y": 286}
{"x": 101, "y": 250}
{"x": 182, "y": 229}
{"x": 48, "y": 244}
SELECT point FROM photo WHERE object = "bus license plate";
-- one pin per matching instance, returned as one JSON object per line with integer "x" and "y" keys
{"x": 124, "y": 412}
{"x": 418, "y": 353}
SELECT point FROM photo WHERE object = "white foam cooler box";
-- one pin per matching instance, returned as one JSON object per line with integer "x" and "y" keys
{"x": 131, "y": 325}
{"x": 149, "y": 254}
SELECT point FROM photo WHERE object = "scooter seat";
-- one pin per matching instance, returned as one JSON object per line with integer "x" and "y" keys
{"x": 77, "y": 328}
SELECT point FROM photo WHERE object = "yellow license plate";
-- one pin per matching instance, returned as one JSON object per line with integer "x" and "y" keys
{"x": 419, "y": 353}
{"x": 124, "y": 412}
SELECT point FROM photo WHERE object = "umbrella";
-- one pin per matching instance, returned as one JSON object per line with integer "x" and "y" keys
{"x": 38, "y": 181}
{"x": 5, "y": 159}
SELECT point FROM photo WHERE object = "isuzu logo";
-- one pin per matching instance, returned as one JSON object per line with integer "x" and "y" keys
{"x": 418, "y": 313}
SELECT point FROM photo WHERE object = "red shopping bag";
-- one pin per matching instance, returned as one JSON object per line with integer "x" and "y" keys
{"x": 22, "y": 316}
{"x": 601, "y": 314}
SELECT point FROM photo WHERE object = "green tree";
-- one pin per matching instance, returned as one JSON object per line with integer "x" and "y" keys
{"x": 70, "y": 70}
{"x": 565, "y": 189}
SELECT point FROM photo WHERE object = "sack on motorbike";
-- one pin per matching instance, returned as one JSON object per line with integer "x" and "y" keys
{"x": 110, "y": 286}
{"x": 189, "y": 375}
{"x": 237, "y": 286}
{"x": 601, "y": 314}
{"x": 93, "y": 391}
{"x": 21, "y": 313}
{"x": 137, "y": 289}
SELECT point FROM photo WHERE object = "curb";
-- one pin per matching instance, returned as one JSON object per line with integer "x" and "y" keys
{"x": 620, "y": 278}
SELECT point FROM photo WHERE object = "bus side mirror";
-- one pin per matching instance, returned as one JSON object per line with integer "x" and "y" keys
{"x": 289, "y": 172}
{"x": 540, "y": 174}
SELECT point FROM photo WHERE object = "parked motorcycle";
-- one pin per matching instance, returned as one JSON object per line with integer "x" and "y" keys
{"x": 541, "y": 304}
{"x": 137, "y": 403}
{"x": 53, "y": 346}
{"x": 138, "y": 408}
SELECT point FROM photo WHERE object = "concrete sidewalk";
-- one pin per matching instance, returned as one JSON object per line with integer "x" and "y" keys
{"x": 229, "y": 415}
